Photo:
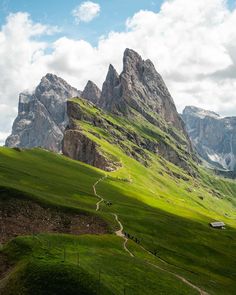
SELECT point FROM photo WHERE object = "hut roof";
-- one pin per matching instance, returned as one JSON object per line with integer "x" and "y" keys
{"x": 217, "y": 224}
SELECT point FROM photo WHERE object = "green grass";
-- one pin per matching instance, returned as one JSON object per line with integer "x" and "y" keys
{"x": 50, "y": 178}
{"x": 153, "y": 207}
{"x": 60, "y": 264}
{"x": 161, "y": 205}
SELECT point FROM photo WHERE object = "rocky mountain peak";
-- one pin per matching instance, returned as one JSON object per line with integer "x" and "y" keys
{"x": 133, "y": 64}
{"x": 91, "y": 92}
{"x": 51, "y": 85}
{"x": 132, "y": 61}
{"x": 110, "y": 90}
{"x": 212, "y": 136}
{"x": 42, "y": 115}
{"x": 112, "y": 75}
{"x": 132, "y": 54}
{"x": 141, "y": 88}
{"x": 198, "y": 112}
{"x": 51, "y": 77}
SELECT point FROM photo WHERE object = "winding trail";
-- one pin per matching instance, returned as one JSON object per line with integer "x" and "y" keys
{"x": 95, "y": 192}
{"x": 201, "y": 292}
{"x": 120, "y": 234}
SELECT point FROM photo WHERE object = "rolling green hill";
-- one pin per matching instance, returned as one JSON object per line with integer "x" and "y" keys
{"x": 164, "y": 210}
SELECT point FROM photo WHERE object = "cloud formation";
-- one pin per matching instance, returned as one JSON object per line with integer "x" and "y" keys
{"x": 192, "y": 44}
{"x": 20, "y": 64}
{"x": 86, "y": 12}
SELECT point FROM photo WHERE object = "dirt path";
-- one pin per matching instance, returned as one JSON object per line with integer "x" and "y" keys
{"x": 172, "y": 273}
{"x": 95, "y": 193}
{"x": 120, "y": 234}
{"x": 201, "y": 292}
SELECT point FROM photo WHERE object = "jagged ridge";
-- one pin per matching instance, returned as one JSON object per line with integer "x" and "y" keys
{"x": 212, "y": 136}
{"x": 138, "y": 92}
{"x": 42, "y": 115}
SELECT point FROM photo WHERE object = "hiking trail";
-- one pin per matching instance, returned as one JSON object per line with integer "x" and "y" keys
{"x": 120, "y": 234}
{"x": 95, "y": 192}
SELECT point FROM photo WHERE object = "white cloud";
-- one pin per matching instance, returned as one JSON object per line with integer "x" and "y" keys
{"x": 192, "y": 44}
{"x": 19, "y": 67}
{"x": 86, "y": 12}
{"x": 3, "y": 136}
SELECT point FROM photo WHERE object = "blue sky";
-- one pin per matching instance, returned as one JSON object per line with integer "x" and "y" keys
{"x": 112, "y": 17}
{"x": 58, "y": 12}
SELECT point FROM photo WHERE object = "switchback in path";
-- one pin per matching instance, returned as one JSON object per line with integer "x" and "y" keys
{"x": 95, "y": 193}
{"x": 120, "y": 234}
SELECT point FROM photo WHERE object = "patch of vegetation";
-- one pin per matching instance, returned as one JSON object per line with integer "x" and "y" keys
{"x": 160, "y": 205}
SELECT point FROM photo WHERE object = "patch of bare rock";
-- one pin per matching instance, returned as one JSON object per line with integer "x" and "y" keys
{"x": 23, "y": 217}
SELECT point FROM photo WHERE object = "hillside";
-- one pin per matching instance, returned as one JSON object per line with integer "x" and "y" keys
{"x": 167, "y": 215}
{"x": 126, "y": 209}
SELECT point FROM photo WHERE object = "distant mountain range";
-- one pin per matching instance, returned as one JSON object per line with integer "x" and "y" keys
{"x": 212, "y": 136}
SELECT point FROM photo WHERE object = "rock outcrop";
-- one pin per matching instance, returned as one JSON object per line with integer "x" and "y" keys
{"x": 42, "y": 115}
{"x": 141, "y": 88}
{"x": 213, "y": 137}
{"x": 78, "y": 146}
{"x": 91, "y": 92}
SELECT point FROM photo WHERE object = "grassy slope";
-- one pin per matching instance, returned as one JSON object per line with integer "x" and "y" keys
{"x": 186, "y": 241}
{"x": 70, "y": 186}
{"x": 169, "y": 215}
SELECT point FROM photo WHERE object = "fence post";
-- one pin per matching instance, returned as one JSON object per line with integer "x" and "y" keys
{"x": 78, "y": 262}
{"x": 64, "y": 254}
{"x": 99, "y": 282}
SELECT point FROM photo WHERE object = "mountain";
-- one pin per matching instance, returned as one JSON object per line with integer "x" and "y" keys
{"x": 213, "y": 137}
{"x": 139, "y": 88}
{"x": 134, "y": 111}
{"x": 126, "y": 210}
{"x": 42, "y": 115}
{"x": 91, "y": 92}
{"x": 49, "y": 118}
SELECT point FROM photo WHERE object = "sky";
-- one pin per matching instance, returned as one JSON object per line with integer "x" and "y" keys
{"x": 191, "y": 43}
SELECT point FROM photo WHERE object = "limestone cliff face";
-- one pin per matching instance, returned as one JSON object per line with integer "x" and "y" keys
{"x": 42, "y": 115}
{"x": 213, "y": 137}
{"x": 78, "y": 146}
{"x": 91, "y": 92}
{"x": 139, "y": 87}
